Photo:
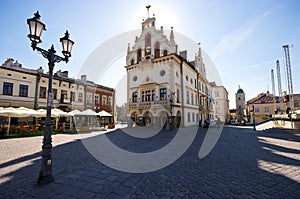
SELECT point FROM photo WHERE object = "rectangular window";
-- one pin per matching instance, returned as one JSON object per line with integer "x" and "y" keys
{"x": 217, "y": 94}
{"x": 109, "y": 101}
{"x": 266, "y": 109}
{"x": 296, "y": 103}
{"x": 23, "y": 91}
{"x": 8, "y": 88}
{"x": 192, "y": 98}
{"x": 89, "y": 98}
{"x": 189, "y": 117}
{"x": 187, "y": 97}
{"x": 54, "y": 93}
{"x": 104, "y": 100}
{"x": 147, "y": 95}
{"x": 135, "y": 97}
{"x": 64, "y": 96}
{"x": 72, "y": 96}
{"x": 80, "y": 97}
{"x": 177, "y": 95}
{"x": 96, "y": 100}
{"x": 163, "y": 94}
{"x": 256, "y": 109}
{"x": 43, "y": 91}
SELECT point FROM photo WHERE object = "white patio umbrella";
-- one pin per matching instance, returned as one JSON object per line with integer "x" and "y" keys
{"x": 60, "y": 113}
{"x": 75, "y": 112}
{"x": 104, "y": 114}
{"x": 13, "y": 112}
{"x": 43, "y": 113}
{"x": 88, "y": 115}
{"x": 88, "y": 112}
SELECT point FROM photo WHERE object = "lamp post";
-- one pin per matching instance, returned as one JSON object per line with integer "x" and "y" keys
{"x": 36, "y": 26}
{"x": 254, "y": 128}
{"x": 171, "y": 113}
{"x": 171, "y": 116}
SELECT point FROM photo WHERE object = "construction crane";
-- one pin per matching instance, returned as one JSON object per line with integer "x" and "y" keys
{"x": 289, "y": 74}
{"x": 279, "y": 80}
{"x": 273, "y": 88}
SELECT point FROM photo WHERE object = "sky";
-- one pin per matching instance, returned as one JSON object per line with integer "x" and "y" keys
{"x": 243, "y": 38}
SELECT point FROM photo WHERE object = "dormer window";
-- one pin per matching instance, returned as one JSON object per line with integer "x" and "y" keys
{"x": 165, "y": 52}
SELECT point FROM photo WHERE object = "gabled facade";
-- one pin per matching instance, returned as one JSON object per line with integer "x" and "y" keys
{"x": 163, "y": 87}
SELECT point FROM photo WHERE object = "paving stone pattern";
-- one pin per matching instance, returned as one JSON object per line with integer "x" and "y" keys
{"x": 243, "y": 164}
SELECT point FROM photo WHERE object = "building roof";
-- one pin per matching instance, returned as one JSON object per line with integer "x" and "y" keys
{"x": 9, "y": 64}
{"x": 266, "y": 98}
{"x": 240, "y": 90}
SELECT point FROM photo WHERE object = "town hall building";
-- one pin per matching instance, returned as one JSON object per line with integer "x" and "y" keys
{"x": 163, "y": 87}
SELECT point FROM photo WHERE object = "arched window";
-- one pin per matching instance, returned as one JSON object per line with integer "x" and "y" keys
{"x": 165, "y": 53}
{"x": 148, "y": 40}
{"x": 148, "y": 44}
{"x": 156, "y": 50}
{"x": 132, "y": 61}
{"x": 139, "y": 55}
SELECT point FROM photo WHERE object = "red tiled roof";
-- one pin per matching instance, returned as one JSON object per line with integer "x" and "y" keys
{"x": 265, "y": 98}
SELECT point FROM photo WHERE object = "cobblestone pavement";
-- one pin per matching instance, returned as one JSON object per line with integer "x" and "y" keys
{"x": 243, "y": 164}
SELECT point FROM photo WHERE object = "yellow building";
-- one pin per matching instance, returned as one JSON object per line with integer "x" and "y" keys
{"x": 265, "y": 105}
{"x": 25, "y": 87}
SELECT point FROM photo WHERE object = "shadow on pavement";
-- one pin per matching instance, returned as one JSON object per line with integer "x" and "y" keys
{"x": 243, "y": 164}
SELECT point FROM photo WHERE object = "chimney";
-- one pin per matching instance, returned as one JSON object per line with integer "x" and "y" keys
{"x": 183, "y": 54}
{"x": 83, "y": 77}
{"x": 284, "y": 93}
{"x": 58, "y": 73}
{"x": 40, "y": 70}
{"x": 65, "y": 74}
{"x": 17, "y": 64}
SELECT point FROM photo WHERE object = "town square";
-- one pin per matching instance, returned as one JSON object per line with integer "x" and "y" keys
{"x": 155, "y": 99}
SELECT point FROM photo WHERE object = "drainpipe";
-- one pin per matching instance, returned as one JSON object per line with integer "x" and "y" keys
{"x": 182, "y": 94}
{"x": 37, "y": 82}
{"x": 114, "y": 106}
{"x": 198, "y": 96}
{"x": 84, "y": 99}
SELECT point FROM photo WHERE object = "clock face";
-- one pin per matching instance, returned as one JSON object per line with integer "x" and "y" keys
{"x": 135, "y": 78}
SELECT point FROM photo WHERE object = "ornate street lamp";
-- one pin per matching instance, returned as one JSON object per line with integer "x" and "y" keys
{"x": 36, "y": 27}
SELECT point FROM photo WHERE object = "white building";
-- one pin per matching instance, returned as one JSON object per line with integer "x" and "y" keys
{"x": 220, "y": 102}
{"x": 163, "y": 87}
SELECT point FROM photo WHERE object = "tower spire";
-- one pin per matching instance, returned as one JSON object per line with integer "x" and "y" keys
{"x": 148, "y": 7}
{"x": 172, "y": 35}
